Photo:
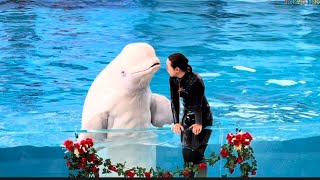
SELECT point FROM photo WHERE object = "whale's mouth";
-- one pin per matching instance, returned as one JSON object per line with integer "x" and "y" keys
{"x": 155, "y": 64}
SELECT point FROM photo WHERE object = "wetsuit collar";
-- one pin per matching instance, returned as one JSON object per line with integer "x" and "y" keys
{"x": 184, "y": 77}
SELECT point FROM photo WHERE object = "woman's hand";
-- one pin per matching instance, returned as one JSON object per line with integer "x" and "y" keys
{"x": 196, "y": 128}
{"x": 177, "y": 128}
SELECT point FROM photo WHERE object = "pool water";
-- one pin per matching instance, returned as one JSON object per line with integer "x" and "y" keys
{"x": 259, "y": 60}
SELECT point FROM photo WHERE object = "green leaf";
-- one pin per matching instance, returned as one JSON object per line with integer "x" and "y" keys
{"x": 213, "y": 154}
{"x": 225, "y": 146}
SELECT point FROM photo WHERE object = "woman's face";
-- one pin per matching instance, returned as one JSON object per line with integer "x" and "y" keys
{"x": 172, "y": 72}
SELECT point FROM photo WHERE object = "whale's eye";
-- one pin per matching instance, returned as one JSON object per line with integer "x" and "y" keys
{"x": 123, "y": 73}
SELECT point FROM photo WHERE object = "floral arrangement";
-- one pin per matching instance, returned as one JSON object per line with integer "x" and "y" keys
{"x": 83, "y": 161}
{"x": 237, "y": 151}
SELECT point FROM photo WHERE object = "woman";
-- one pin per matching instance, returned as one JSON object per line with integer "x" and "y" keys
{"x": 196, "y": 113}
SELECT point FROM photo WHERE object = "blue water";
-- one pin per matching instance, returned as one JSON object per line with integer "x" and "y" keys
{"x": 260, "y": 61}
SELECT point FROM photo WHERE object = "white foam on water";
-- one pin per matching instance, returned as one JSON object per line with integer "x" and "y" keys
{"x": 293, "y": 95}
{"x": 258, "y": 114}
{"x": 307, "y": 93}
{"x": 253, "y": 111}
{"x": 244, "y": 91}
{"x": 287, "y": 129}
{"x": 241, "y": 114}
{"x": 50, "y": 115}
{"x": 288, "y": 117}
{"x": 218, "y": 104}
{"x": 209, "y": 74}
{"x": 242, "y": 68}
{"x": 287, "y": 108}
{"x": 250, "y": 106}
{"x": 302, "y": 82}
{"x": 254, "y": 124}
{"x": 263, "y": 116}
{"x": 281, "y": 82}
{"x": 269, "y": 138}
{"x": 279, "y": 120}
{"x": 311, "y": 113}
{"x": 304, "y": 116}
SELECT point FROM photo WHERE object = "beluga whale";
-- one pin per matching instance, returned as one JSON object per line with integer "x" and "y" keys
{"x": 120, "y": 96}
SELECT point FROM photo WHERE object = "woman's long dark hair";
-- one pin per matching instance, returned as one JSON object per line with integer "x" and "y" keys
{"x": 180, "y": 61}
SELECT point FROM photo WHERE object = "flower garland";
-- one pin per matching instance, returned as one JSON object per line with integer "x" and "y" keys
{"x": 83, "y": 161}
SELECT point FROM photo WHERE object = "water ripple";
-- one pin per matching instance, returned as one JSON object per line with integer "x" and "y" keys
{"x": 260, "y": 60}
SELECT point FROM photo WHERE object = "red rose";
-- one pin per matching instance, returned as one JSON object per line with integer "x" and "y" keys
{"x": 254, "y": 173}
{"x": 92, "y": 157}
{"x": 236, "y": 142}
{"x": 81, "y": 166}
{"x": 76, "y": 145}
{"x": 224, "y": 153}
{"x": 185, "y": 172}
{"x": 239, "y": 137}
{"x": 83, "y": 160}
{"x": 129, "y": 173}
{"x": 112, "y": 168}
{"x": 89, "y": 142}
{"x": 239, "y": 159}
{"x": 202, "y": 166}
{"x": 246, "y": 143}
{"x": 229, "y": 138}
{"x": 132, "y": 174}
{"x": 84, "y": 144}
{"x": 87, "y": 169}
{"x": 96, "y": 162}
{"x": 248, "y": 136}
{"x": 147, "y": 174}
{"x": 95, "y": 169}
{"x": 246, "y": 139}
{"x": 231, "y": 170}
{"x": 81, "y": 151}
{"x": 68, "y": 163}
{"x": 167, "y": 175}
{"x": 69, "y": 145}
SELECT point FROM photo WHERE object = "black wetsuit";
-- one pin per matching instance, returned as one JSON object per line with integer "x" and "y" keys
{"x": 196, "y": 110}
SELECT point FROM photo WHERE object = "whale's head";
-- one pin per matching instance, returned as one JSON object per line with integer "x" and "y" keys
{"x": 137, "y": 63}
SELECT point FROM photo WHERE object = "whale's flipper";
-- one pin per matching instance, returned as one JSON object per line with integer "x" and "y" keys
{"x": 161, "y": 113}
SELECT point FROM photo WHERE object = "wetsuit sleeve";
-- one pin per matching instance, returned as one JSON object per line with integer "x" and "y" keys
{"x": 196, "y": 96}
{"x": 174, "y": 101}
